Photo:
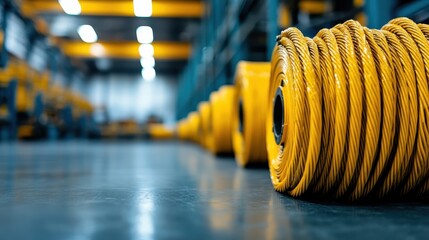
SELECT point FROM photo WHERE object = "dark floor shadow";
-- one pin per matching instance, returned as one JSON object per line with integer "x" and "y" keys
{"x": 367, "y": 202}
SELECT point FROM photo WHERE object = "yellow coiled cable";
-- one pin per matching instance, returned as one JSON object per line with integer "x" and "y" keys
{"x": 206, "y": 138}
{"x": 181, "y": 129}
{"x": 193, "y": 127}
{"x": 221, "y": 119}
{"x": 160, "y": 132}
{"x": 249, "y": 111}
{"x": 348, "y": 112}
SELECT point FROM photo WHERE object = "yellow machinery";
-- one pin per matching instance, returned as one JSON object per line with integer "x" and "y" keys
{"x": 24, "y": 102}
{"x": 25, "y": 90}
{"x": 66, "y": 109}
{"x": 6, "y": 75}
{"x": 314, "y": 7}
{"x": 41, "y": 82}
{"x": 81, "y": 106}
{"x": 20, "y": 99}
{"x": 249, "y": 110}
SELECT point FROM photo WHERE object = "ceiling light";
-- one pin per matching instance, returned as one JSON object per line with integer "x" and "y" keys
{"x": 87, "y": 33}
{"x": 144, "y": 34}
{"x": 71, "y": 7}
{"x": 146, "y": 50}
{"x": 142, "y": 8}
{"x": 148, "y": 74}
{"x": 147, "y": 62}
{"x": 97, "y": 50}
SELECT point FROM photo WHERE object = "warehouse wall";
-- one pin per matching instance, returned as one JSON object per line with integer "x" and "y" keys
{"x": 129, "y": 96}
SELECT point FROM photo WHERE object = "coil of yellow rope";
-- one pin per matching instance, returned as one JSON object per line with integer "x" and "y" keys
{"x": 193, "y": 127}
{"x": 206, "y": 138}
{"x": 221, "y": 119}
{"x": 348, "y": 112}
{"x": 249, "y": 111}
{"x": 180, "y": 131}
{"x": 160, "y": 132}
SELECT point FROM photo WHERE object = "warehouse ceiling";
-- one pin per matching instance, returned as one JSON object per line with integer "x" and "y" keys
{"x": 175, "y": 24}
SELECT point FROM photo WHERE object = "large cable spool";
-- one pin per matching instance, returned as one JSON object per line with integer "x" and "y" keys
{"x": 221, "y": 119}
{"x": 249, "y": 111}
{"x": 348, "y": 112}
{"x": 206, "y": 138}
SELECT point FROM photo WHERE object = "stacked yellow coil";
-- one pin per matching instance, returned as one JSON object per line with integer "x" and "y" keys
{"x": 194, "y": 127}
{"x": 206, "y": 138}
{"x": 349, "y": 112}
{"x": 221, "y": 119}
{"x": 249, "y": 111}
{"x": 181, "y": 130}
{"x": 160, "y": 132}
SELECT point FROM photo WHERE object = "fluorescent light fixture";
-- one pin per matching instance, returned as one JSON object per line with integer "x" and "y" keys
{"x": 147, "y": 62}
{"x": 148, "y": 74}
{"x": 146, "y": 50}
{"x": 144, "y": 34}
{"x": 142, "y": 8}
{"x": 71, "y": 7}
{"x": 87, "y": 34}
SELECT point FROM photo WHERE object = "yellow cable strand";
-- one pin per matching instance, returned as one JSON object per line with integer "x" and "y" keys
{"x": 348, "y": 112}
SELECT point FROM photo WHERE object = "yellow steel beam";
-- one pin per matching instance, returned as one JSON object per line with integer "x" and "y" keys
{"x": 125, "y": 50}
{"x": 160, "y": 8}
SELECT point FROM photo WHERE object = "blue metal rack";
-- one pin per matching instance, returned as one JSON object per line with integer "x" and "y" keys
{"x": 3, "y": 54}
{"x": 222, "y": 45}
{"x": 32, "y": 47}
{"x": 7, "y": 98}
{"x": 229, "y": 28}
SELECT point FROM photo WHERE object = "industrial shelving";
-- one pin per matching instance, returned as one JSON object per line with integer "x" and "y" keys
{"x": 21, "y": 40}
{"x": 246, "y": 30}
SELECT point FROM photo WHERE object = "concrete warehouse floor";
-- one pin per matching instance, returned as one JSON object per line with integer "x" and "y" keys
{"x": 163, "y": 190}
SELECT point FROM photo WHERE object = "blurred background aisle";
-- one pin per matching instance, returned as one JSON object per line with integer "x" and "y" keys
{"x": 82, "y": 190}
{"x": 94, "y": 68}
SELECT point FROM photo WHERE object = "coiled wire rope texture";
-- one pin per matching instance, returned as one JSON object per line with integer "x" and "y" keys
{"x": 348, "y": 112}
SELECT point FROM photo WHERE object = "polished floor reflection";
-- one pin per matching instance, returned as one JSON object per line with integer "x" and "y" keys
{"x": 167, "y": 190}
